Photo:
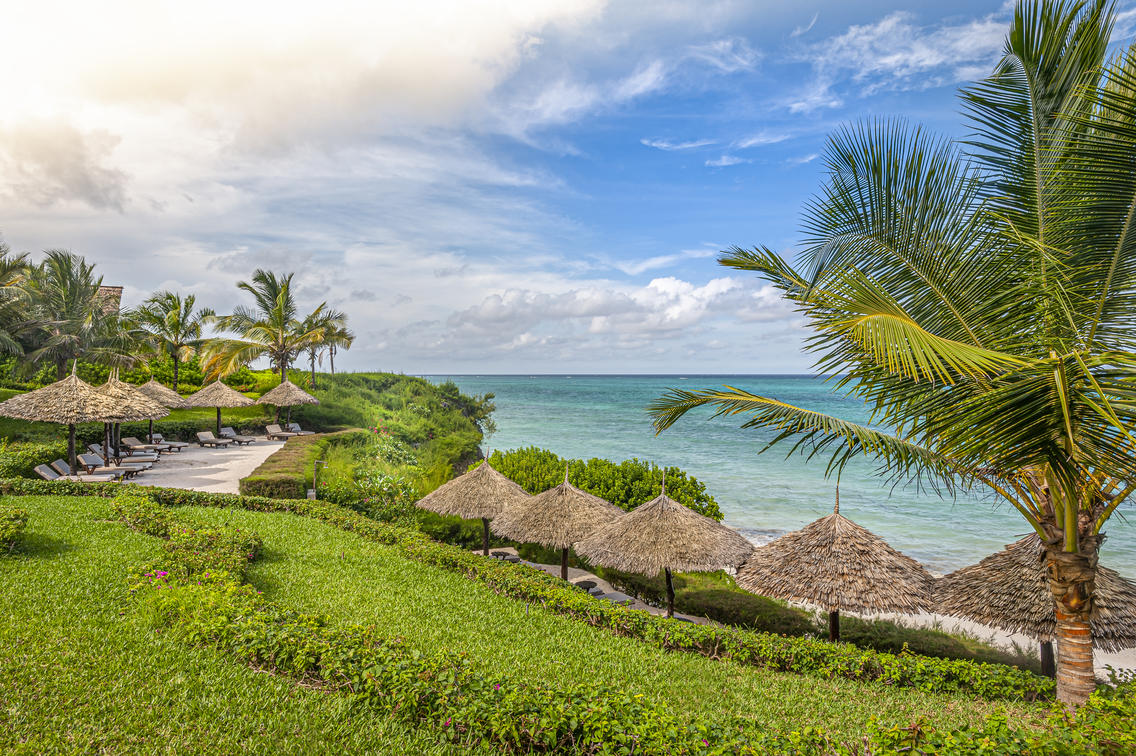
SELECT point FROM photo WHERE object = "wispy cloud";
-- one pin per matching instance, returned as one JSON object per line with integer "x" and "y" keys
{"x": 806, "y": 28}
{"x": 727, "y": 55}
{"x": 635, "y": 267}
{"x": 726, "y": 160}
{"x": 760, "y": 139}
{"x": 803, "y": 159}
{"x": 669, "y": 146}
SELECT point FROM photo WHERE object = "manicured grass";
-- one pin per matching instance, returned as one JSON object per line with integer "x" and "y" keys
{"x": 81, "y": 671}
{"x": 312, "y": 567}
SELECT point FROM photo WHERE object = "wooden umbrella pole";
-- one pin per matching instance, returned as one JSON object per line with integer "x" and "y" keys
{"x": 71, "y": 460}
{"x": 150, "y": 437}
{"x": 564, "y": 564}
{"x": 834, "y": 625}
{"x": 106, "y": 444}
{"x": 670, "y": 593}
{"x": 218, "y": 422}
{"x": 1048, "y": 661}
{"x": 485, "y": 536}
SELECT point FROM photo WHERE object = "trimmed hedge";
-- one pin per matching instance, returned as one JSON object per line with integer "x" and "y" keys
{"x": 286, "y": 473}
{"x": 13, "y": 520}
{"x": 809, "y": 656}
{"x": 19, "y": 459}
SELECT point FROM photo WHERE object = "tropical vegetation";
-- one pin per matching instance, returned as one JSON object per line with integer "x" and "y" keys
{"x": 980, "y": 297}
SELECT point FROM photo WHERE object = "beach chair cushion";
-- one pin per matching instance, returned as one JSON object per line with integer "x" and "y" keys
{"x": 46, "y": 472}
{"x": 134, "y": 444}
{"x": 206, "y": 438}
{"x": 274, "y": 432}
{"x": 232, "y": 434}
{"x": 175, "y": 445}
{"x": 295, "y": 428}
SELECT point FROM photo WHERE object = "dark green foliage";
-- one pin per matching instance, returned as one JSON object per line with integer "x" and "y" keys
{"x": 626, "y": 484}
{"x": 13, "y": 520}
{"x": 802, "y": 655}
{"x": 18, "y": 460}
{"x": 287, "y": 472}
{"x": 142, "y": 513}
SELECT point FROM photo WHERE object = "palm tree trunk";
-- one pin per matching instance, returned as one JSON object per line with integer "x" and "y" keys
{"x": 312, "y": 357}
{"x": 331, "y": 358}
{"x": 175, "y": 359}
{"x": 1072, "y": 580}
{"x": 60, "y": 369}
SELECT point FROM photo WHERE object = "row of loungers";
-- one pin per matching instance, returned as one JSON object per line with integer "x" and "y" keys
{"x": 133, "y": 458}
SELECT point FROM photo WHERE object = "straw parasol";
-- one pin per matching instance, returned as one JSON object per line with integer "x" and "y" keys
{"x": 664, "y": 535}
{"x": 482, "y": 493}
{"x": 132, "y": 404}
{"x": 556, "y": 518}
{"x": 218, "y": 395}
{"x": 167, "y": 397}
{"x": 837, "y": 565}
{"x": 287, "y": 394}
{"x": 67, "y": 402}
{"x": 1009, "y": 591}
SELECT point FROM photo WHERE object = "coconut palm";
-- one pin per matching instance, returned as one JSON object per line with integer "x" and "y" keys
{"x": 174, "y": 326}
{"x": 983, "y": 304}
{"x": 68, "y": 317}
{"x": 268, "y": 329}
{"x": 13, "y": 309}
{"x": 337, "y": 337}
{"x": 322, "y": 323}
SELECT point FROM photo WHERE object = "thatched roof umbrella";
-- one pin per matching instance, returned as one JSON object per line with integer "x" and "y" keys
{"x": 556, "y": 518}
{"x": 67, "y": 402}
{"x": 838, "y": 565}
{"x": 1009, "y": 591}
{"x": 218, "y": 395}
{"x": 664, "y": 536}
{"x": 132, "y": 404}
{"x": 167, "y": 397}
{"x": 287, "y": 394}
{"x": 482, "y": 493}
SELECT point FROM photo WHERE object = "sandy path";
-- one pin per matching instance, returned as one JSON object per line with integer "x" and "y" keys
{"x": 208, "y": 469}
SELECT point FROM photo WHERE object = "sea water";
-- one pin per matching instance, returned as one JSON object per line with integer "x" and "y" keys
{"x": 763, "y": 495}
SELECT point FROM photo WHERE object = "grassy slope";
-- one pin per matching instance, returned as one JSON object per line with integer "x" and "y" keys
{"x": 311, "y": 567}
{"x": 80, "y": 672}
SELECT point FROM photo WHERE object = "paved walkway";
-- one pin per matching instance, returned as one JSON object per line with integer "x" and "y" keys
{"x": 207, "y": 469}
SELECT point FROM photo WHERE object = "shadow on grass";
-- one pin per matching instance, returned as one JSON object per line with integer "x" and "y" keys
{"x": 39, "y": 546}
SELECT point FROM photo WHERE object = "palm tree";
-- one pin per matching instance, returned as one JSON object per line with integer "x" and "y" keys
{"x": 984, "y": 304}
{"x": 268, "y": 329}
{"x": 175, "y": 327}
{"x": 337, "y": 337}
{"x": 325, "y": 324}
{"x": 70, "y": 319}
{"x": 13, "y": 304}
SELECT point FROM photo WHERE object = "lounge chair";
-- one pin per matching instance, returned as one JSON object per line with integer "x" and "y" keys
{"x": 231, "y": 434}
{"x": 206, "y": 438}
{"x": 47, "y": 473}
{"x": 94, "y": 466}
{"x": 175, "y": 445}
{"x": 295, "y": 428}
{"x": 275, "y": 434}
{"x": 143, "y": 461}
{"x": 134, "y": 445}
{"x": 61, "y": 467}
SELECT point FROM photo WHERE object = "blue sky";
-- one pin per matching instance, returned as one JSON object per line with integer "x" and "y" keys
{"x": 506, "y": 187}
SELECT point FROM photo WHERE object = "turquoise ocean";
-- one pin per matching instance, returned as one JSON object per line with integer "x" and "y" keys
{"x": 762, "y": 495}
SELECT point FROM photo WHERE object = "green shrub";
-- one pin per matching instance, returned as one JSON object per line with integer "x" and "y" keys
{"x": 140, "y": 512}
{"x": 626, "y": 484}
{"x": 810, "y": 656}
{"x": 192, "y": 551}
{"x": 19, "y": 459}
{"x": 287, "y": 472}
{"x": 275, "y": 485}
{"x": 13, "y": 520}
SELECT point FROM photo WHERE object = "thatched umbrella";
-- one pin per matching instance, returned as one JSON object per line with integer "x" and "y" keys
{"x": 556, "y": 518}
{"x": 664, "y": 536}
{"x": 218, "y": 395}
{"x": 67, "y": 402}
{"x": 287, "y": 394}
{"x": 132, "y": 404}
{"x": 1009, "y": 591}
{"x": 163, "y": 395}
{"x": 482, "y": 493}
{"x": 837, "y": 565}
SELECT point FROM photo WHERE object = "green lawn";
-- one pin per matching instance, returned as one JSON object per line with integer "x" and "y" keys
{"x": 81, "y": 672}
{"x": 312, "y": 567}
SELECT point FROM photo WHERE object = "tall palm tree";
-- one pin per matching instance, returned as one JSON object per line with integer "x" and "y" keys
{"x": 983, "y": 304}
{"x": 70, "y": 319}
{"x": 337, "y": 337}
{"x": 325, "y": 324}
{"x": 268, "y": 329}
{"x": 175, "y": 327}
{"x": 13, "y": 303}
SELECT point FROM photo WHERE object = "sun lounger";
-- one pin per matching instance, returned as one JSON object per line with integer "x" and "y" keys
{"x": 275, "y": 434}
{"x": 175, "y": 445}
{"x": 206, "y": 438}
{"x": 47, "y": 473}
{"x": 63, "y": 468}
{"x": 616, "y": 597}
{"x": 145, "y": 462}
{"x": 94, "y": 466}
{"x": 134, "y": 445}
{"x": 233, "y": 435}
{"x": 295, "y": 428}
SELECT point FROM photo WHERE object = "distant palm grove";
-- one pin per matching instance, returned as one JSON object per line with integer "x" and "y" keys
{"x": 57, "y": 315}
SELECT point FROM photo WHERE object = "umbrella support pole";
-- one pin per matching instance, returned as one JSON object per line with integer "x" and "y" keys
{"x": 150, "y": 437}
{"x": 834, "y": 625}
{"x": 71, "y": 460}
{"x": 1048, "y": 663}
{"x": 564, "y": 564}
{"x": 289, "y": 420}
{"x": 218, "y": 422}
{"x": 485, "y": 536}
{"x": 670, "y": 592}
{"x": 106, "y": 444}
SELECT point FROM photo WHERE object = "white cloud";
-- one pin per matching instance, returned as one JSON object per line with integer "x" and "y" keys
{"x": 760, "y": 139}
{"x": 725, "y": 160}
{"x": 727, "y": 55}
{"x": 803, "y": 159}
{"x": 806, "y": 28}
{"x": 668, "y": 146}
{"x": 635, "y": 267}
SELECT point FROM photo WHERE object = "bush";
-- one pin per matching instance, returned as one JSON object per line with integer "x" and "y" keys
{"x": 12, "y": 522}
{"x": 142, "y": 513}
{"x": 809, "y": 656}
{"x": 626, "y": 484}
{"x": 287, "y": 472}
{"x": 18, "y": 460}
